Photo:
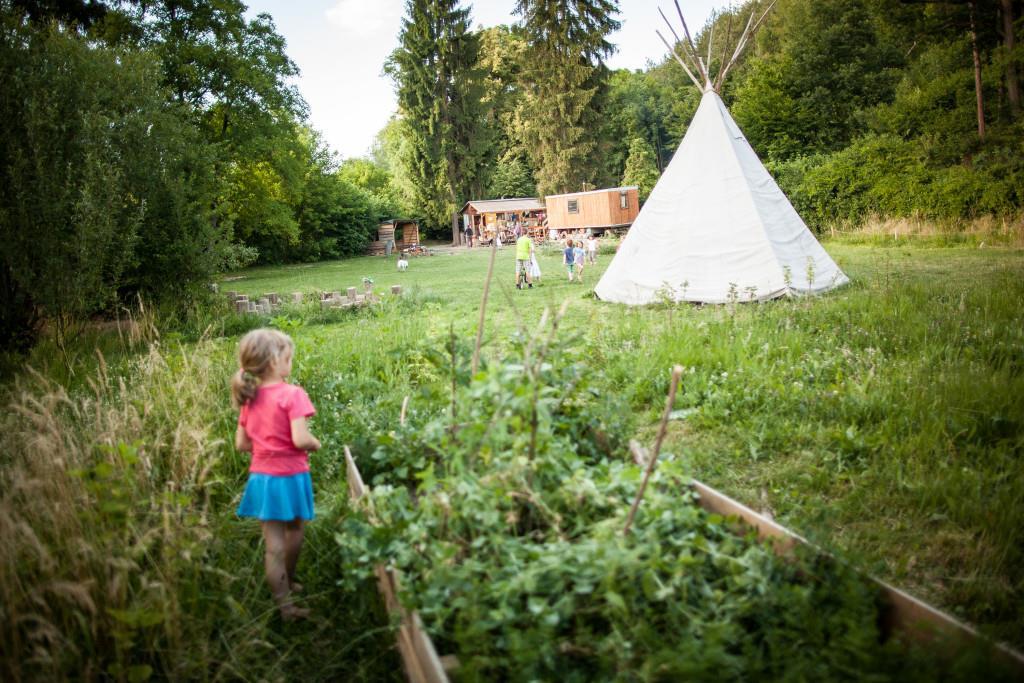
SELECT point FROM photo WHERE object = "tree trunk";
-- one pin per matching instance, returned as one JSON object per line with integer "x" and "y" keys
{"x": 977, "y": 75}
{"x": 1009, "y": 42}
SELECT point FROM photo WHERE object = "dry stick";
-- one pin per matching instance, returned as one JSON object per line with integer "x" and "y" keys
{"x": 725, "y": 50}
{"x": 679, "y": 42}
{"x": 405, "y": 405}
{"x": 483, "y": 307}
{"x": 689, "y": 40}
{"x": 677, "y": 372}
{"x": 711, "y": 40}
{"x": 740, "y": 43}
{"x": 682, "y": 46}
{"x": 749, "y": 32}
{"x": 681, "y": 62}
{"x": 451, "y": 337}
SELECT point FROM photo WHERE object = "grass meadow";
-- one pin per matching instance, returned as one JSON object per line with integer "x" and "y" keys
{"x": 884, "y": 420}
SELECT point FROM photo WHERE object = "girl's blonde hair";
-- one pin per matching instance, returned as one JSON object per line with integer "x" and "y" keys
{"x": 257, "y": 350}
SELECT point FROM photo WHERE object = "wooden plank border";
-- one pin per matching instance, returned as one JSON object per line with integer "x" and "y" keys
{"x": 903, "y": 613}
{"x": 419, "y": 657}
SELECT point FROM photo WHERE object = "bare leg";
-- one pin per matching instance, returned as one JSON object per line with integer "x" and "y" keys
{"x": 276, "y": 566}
{"x": 294, "y": 535}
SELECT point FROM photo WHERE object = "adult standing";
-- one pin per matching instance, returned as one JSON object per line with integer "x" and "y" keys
{"x": 469, "y": 235}
{"x": 524, "y": 247}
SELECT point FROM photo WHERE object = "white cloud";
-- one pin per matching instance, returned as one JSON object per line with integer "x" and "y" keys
{"x": 365, "y": 19}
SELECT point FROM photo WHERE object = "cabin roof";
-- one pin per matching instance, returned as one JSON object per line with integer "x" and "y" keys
{"x": 604, "y": 189}
{"x": 501, "y": 205}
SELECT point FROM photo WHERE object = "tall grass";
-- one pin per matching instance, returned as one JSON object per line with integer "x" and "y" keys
{"x": 122, "y": 557}
{"x": 1006, "y": 231}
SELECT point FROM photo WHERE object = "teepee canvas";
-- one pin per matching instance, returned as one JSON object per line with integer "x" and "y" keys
{"x": 716, "y": 228}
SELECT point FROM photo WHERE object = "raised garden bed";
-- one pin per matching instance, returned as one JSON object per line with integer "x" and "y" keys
{"x": 903, "y": 614}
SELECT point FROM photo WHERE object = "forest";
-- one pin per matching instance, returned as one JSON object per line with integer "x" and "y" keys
{"x": 155, "y": 144}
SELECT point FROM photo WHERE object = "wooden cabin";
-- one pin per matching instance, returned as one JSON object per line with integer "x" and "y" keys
{"x": 490, "y": 217}
{"x": 614, "y": 208}
{"x": 404, "y": 233}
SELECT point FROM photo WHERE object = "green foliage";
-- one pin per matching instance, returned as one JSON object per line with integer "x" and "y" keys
{"x": 641, "y": 169}
{"x": 105, "y": 188}
{"x": 563, "y": 80}
{"x": 828, "y": 63}
{"x": 640, "y": 105}
{"x": 512, "y": 178}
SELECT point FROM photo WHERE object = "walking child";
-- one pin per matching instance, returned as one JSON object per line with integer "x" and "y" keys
{"x": 569, "y": 258}
{"x": 272, "y": 426}
{"x": 591, "y": 249}
{"x": 578, "y": 257}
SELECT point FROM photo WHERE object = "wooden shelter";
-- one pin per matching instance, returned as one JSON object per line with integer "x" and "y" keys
{"x": 403, "y": 233}
{"x": 613, "y": 208}
{"x": 490, "y": 217}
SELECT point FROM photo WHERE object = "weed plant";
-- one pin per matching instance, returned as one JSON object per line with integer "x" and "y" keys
{"x": 505, "y": 517}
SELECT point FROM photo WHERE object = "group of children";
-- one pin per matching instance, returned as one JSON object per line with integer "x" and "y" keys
{"x": 574, "y": 257}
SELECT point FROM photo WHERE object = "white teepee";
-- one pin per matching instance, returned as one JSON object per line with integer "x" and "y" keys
{"x": 716, "y": 228}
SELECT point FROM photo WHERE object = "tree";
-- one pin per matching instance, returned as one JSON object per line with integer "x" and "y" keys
{"x": 233, "y": 75}
{"x": 563, "y": 75}
{"x": 439, "y": 91}
{"x": 641, "y": 169}
{"x": 500, "y": 60}
{"x": 512, "y": 178}
{"x": 105, "y": 187}
{"x": 827, "y": 62}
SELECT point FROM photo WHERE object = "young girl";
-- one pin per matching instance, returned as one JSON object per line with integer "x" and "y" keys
{"x": 578, "y": 257}
{"x": 272, "y": 426}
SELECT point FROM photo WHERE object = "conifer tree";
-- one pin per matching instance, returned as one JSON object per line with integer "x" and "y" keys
{"x": 641, "y": 168}
{"x": 563, "y": 78}
{"x": 512, "y": 178}
{"x": 439, "y": 92}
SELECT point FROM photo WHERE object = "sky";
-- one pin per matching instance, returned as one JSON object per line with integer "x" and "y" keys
{"x": 340, "y": 47}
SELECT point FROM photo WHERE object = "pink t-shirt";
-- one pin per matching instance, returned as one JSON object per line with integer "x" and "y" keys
{"x": 267, "y": 419}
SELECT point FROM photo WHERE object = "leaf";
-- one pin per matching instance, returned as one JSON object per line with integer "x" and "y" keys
{"x": 139, "y": 673}
{"x": 615, "y": 600}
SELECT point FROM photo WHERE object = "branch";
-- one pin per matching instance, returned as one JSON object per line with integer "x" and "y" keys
{"x": 677, "y": 372}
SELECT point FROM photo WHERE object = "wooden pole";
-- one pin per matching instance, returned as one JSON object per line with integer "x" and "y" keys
{"x": 1009, "y": 42}
{"x": 977, "y": 75}
{"x": 483, "y": 305}
{"x": 677, "y": 373}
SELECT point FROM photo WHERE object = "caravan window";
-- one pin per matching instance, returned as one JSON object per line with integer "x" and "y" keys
{"x": 623, "y": 200}
{"x": 574, "y": 206}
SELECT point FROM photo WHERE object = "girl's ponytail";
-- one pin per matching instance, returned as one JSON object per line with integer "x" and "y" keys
{"x": 256, "y": 351}
{"x": 243, "y": 388}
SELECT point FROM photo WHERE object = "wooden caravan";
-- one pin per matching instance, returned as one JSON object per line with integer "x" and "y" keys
{"x": 614, "y": 208}
{"x": 489, "y": 217}
{"x": 401, "y": 232}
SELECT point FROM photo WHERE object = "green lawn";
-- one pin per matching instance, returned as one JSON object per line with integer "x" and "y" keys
{"x": 885, "y": 419}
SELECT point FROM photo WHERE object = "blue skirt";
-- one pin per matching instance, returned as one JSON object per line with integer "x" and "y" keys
{"x": 269, "y": 497}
